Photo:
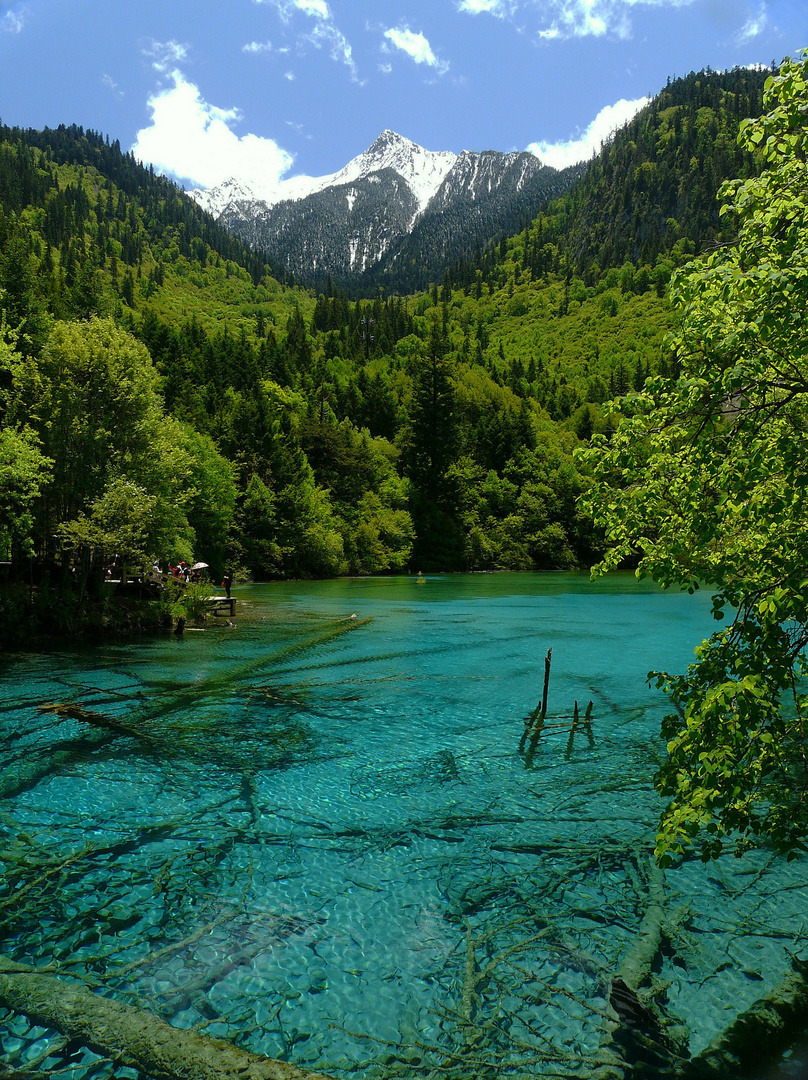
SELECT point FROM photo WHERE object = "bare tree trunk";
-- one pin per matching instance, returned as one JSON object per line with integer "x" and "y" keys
{"x": 131, "y": 1036}
{"x": 635, "y": 1029}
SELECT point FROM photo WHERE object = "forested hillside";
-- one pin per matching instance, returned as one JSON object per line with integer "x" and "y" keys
{"x": 650, "y": 196}
{"x": 162, "y": 394}
{"x": 657, "y": 184}
{"x": 459, "y": 222}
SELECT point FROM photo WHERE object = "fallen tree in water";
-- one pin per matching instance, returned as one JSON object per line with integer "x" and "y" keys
{"x": 73, "y": 711}
{"x": 642, "y": 1040}
{"x": 131, "y": 1036}
{"x": 634, "y": 1034}
{"x": 758, "y": 1036}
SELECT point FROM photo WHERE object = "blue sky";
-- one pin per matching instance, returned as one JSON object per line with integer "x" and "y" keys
{"x": 206, "y": 89}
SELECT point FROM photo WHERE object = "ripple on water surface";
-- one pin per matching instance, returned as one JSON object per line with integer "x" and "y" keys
{"x": 314, "y": 835}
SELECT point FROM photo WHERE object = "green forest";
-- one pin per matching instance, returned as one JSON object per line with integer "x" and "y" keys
{"x": 620, "y": 384}
{"x": 163, "y": 395}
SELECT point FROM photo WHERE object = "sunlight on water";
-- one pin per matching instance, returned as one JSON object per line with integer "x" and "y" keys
{"x": 314, "y": 834}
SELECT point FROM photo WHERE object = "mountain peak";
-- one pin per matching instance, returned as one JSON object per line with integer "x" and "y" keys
{"x": 217, "y": 199}
{"x": 350, "y": 221}
{"x": 388, "y": 139}
{"x": 423, "y": 170}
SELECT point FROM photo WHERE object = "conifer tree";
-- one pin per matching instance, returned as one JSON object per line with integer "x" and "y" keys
{"x": 433, "y": 419}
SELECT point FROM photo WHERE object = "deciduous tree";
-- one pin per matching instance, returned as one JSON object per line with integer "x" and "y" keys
{"x": 706, "y": 479}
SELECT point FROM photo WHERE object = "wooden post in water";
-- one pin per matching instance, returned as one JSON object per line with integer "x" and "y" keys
{"x": 540, "y": 711}
{"x": 538, "y": 725}
{"x": 547, "y": 660}
{"x": 576, "y": 719}
{"x": 588, "y": 724}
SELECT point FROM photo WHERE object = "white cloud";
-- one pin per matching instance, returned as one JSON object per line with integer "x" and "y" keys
{"x": 194, "y": 140}
{"x": 339, "y": 49}
{"x": 325, "y": 32}
{"x": 568, "y": 18}
{"x": 476, "y": 6}
{"x": 110, "y": 84}
{"x": 491, "y": 7}
{"x": 317, "y": 9}
{"x": 13, "y": 21}
{"x": 587, "y": 17}
{"x": 415, "y": 46}
{"x": 562, "y": 154}
{"x": 257, "y": 47}
{"x": 385, "y": 69}
{"x": 752, "y": 28}
{"x": 289, "y": 76}
{"x": 165, "y": 55}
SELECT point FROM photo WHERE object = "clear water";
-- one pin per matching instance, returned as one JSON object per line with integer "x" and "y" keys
{"x": 325, "y": 846}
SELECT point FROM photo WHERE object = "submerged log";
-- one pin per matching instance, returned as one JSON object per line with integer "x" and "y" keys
{"x": 636, "y": 1034}
{"x": 757, "y": 1037}
{"x": 131, "y": 1036}
{"x": 636, "y": 962}
{"x": 95, "y": 719}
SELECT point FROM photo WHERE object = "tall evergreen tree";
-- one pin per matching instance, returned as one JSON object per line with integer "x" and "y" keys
{"x": 433, "y": 419}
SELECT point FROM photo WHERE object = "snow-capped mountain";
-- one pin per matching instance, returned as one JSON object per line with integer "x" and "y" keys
{"x": 478, "y": 176}
{"x": 395, "y": 195}
{"x": 422, "y": 170}
{"x": 341, "y": 230}
{"x": 230, "y": 193}
{"x": 484, "y": 196}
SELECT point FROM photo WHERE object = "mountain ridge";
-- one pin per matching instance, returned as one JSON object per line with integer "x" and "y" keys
{"x": 388, "y": 151}
{"x": 338, "y": 226}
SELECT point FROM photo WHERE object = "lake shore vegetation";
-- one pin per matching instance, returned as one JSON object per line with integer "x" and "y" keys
{"x": 704, "y": 482}
{"x": 166, "y": 394}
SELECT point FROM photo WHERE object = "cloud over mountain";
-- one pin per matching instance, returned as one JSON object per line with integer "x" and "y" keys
{"x": 192, "y": 139}
{"x": 560, "y": 155}
{"x": 568, "y": 18}
{"x": 416, "y": 46}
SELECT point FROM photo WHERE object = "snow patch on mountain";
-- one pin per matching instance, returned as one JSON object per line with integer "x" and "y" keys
{"x": 229, "y": 193}
{"x": 423, "y": 170}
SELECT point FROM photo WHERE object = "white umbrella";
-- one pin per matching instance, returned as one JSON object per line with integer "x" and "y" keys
{"x": 200, "y": 566}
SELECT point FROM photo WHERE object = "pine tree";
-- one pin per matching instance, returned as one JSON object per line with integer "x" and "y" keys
{"x": 433, "y": 419}
{"x": 128, "y": 289}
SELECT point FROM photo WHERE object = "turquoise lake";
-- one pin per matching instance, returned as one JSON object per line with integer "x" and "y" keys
{"x": 314, "y": 834}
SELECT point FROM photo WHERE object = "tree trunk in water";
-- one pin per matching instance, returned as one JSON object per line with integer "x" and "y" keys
{"x": 758, "y": 1036}
{"x": 635, "y": 1035}
{"x": 131, "y": 1036}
